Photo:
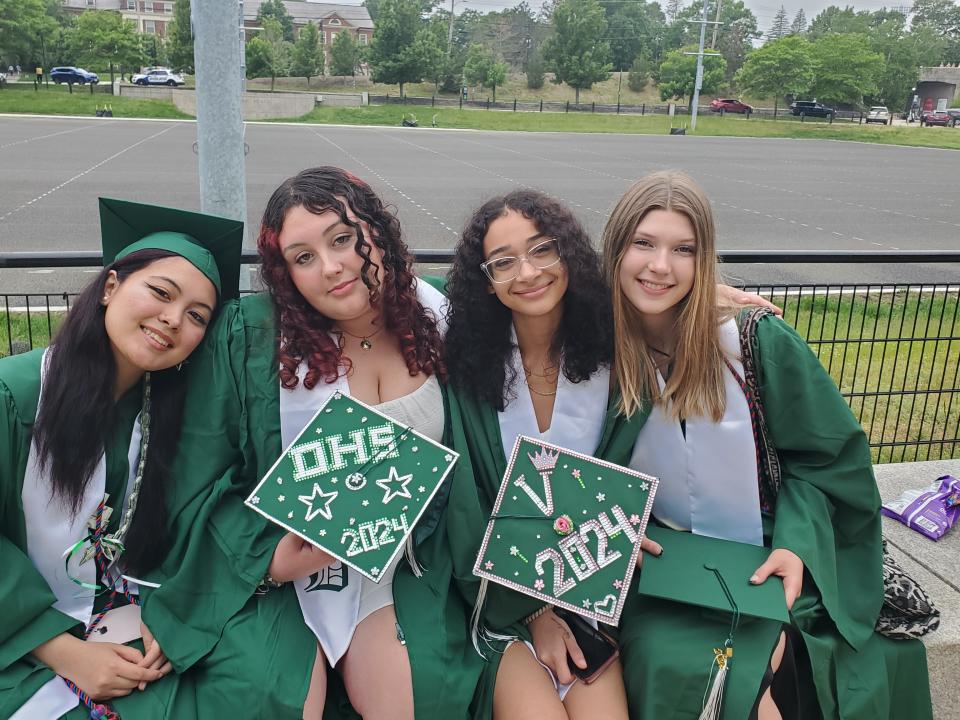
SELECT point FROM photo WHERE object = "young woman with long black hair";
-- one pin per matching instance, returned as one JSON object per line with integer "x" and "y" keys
{"x": 88, "y": 428}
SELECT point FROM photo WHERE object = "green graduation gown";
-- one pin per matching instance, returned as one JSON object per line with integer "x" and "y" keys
{"x": 827, "y": 512}
{"x": 473, "y": 430}
{"x": 237, "y": 440}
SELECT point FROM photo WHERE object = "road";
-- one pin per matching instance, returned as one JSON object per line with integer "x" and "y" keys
{"x": 767, "y": 193}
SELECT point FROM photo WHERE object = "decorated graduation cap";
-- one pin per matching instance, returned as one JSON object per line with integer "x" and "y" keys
{"x": 211, "y": 243}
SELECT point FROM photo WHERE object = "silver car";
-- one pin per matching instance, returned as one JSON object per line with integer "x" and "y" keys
{"x": 878, "y": 114}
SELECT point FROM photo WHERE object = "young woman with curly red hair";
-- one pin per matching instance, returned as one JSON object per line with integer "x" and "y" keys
{"x": 343, "y": 313}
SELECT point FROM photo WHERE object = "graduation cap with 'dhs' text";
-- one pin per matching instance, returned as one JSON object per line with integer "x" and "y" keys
{"x": 212, "y": 244}
{"x": 354, "y": 483}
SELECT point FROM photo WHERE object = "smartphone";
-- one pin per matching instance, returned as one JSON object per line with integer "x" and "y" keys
{"x": 597, "y": 647}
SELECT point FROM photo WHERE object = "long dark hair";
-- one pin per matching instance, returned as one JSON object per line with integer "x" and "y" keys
{"x": 478, "y": 341}
{"x": 304, "y": 332}
{"x": 77, "y": 416}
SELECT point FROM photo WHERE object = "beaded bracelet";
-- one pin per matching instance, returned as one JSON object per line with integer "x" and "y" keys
{"x": 533, "y": 616}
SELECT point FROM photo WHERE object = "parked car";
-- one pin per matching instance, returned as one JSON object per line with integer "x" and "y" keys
{"x": 137, "y": 77}
{"x": 73, "y": 75}
{"x": 955, "y": 114}
{"x": 730, "y": 105}
{"x": 878, "y": 114}
{"x": 160, "y": 77}
{"x": 3, "y": 78}
{"x": 810, "y": 108}
{"x": 938, "y": 117}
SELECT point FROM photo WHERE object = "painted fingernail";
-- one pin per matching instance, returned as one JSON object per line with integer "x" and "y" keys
{"x": 754, "y": 579}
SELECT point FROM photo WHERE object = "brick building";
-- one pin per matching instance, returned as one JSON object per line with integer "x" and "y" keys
{"x": 330, "y": 18}
{"x": 151, "y": 16}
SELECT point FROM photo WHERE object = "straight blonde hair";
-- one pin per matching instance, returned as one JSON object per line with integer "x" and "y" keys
{"x": 695, "y": 386}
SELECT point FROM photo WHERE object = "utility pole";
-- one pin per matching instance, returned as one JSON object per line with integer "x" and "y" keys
{"x": 450, "y": 31}
{"x": 218, "y": 61}
{"x": 700, "y": 55}
{"x": 716, "y": 26}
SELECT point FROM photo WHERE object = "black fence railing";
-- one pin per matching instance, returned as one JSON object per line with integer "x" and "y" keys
{"x": 893, "y": 349}
{"x": 566, "y": 106}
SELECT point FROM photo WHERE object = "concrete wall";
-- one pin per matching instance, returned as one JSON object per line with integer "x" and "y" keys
{"x": 256, "y": 105}
{"x": 945, "y": 75}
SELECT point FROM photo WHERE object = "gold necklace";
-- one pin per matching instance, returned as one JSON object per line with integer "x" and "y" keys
{"x": 541, "y": 394}
{"x": 365, "y": 343}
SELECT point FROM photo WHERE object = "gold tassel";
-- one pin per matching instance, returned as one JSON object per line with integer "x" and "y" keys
{"x": 713, "y": 698}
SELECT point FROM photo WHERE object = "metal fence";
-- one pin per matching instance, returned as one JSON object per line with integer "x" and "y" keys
{"x": 893, "y": 349}
{"x": 514, "y": 105}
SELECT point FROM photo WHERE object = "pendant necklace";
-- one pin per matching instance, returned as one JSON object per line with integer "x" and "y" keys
{"x": 365, "y": 343}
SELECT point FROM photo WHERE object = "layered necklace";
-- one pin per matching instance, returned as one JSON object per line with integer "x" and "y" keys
{"x": 549, "y": 376}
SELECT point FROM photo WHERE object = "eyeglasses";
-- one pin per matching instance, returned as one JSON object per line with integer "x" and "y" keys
{"x": 507, "y": 268}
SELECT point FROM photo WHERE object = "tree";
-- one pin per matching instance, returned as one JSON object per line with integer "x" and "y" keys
{"x": 155, "y": 50}
{"x": 26, "y": 31}
{"x": 633, "y": 28}
{"x": 678, "y": 74}
{"x": 268, "y": 54}
{"x": 535, "y": 71}
{"x": 180, "y": 38}
{"x": 836, "y": 20}
{"x": 307, "y": 56}
{"x": 799, "y": 24}
{"x": 943, "y": 18}
{"x": 903, "y": 52}
{"x": 344, "y": 54}
{"x": 576, "y": 53}
{"x": 430, "y": 47}
{"x": 639, "y": 74}
{"x": 780, "y": 27}
{"x": 393, "y": 55}
{"x": 734, "y": 37}
{"x": 102, "y": 38}
{"x": 779, "y": 68}
{"x": 847, "y": 68}
{"x": 672, "y": 9}
{"x": 276, "y": 10}
{"x": 483, "y": 68}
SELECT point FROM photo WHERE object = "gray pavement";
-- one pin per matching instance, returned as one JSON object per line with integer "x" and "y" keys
{"x": 767, "y": 193}
{"x": 934, "y": 566}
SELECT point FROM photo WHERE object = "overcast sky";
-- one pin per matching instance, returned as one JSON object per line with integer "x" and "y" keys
{"x": 765, "y": 10}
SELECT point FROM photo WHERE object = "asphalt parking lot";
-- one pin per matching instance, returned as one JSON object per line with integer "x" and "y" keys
{"x": 767, "y": 193}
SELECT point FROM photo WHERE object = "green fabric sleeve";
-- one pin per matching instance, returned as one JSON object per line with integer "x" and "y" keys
{"x": 440, "y": 283}
{"x": 827, "y": 511}
{"x": 220, "y": 548}
{"x": 26, "y": 601}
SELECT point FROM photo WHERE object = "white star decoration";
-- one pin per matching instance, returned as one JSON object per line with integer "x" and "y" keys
{"x": 601, "y": 497}
{"x": 322, "y": 499}
{"x": 644, "y": 486}
{"x": 281, "y": 498}
{"x": 448, "y": 457}
{"x": 365, "y": 503}
{"x": 395, "y": 485}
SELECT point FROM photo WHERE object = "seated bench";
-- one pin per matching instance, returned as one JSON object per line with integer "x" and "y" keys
{"x": 934, "y": 566}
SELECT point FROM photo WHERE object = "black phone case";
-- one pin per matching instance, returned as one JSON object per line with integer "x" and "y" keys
{"x": 598, "y": 649}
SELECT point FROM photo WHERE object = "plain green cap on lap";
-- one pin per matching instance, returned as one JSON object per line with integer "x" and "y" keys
{"x": 210, "y": 243}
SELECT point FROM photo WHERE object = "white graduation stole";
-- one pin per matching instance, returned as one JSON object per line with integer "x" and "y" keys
{"x": 52, "y": 528}
{"x": 332, "y": 616}
{"x": 579, "y": 410}
{"x": 708, "y": 479}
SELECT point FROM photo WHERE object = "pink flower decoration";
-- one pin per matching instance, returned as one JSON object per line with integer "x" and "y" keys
{"x": 635, "y": 519}
{"x": 538, "y": 584}
{"x": 563, "y": 525}
{"x": 488, "y": 565}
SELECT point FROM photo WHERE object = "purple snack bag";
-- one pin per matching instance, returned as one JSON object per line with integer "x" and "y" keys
{"x": 930, "y": 511}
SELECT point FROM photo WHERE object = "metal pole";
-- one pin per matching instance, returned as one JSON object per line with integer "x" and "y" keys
{"x": 218, "y": 62}
{"x": 450, "y": 31}
{"x": 716, "y": 26}
{"x": 219, "y": 108}
{"x": 699, "y": 80}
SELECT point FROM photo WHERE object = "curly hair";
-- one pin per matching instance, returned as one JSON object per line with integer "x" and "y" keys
{"x": 478, "y": 342}
{"x": 304, "y": 334}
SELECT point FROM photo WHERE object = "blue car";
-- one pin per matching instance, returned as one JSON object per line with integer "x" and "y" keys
{"x": 73, "y": 75}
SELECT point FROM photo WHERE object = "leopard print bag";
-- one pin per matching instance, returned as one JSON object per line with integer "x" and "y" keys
{"x": 907, "y": 611}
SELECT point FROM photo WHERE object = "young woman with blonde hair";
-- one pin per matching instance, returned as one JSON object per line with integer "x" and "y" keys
{"x": 684, "y": 367}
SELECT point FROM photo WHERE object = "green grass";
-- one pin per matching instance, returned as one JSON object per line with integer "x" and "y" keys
{"x": 57, "y": 100}
{"x": 872, "y": 342}
{"x": 869, "y": 342}
{"x": 633, "y": 124}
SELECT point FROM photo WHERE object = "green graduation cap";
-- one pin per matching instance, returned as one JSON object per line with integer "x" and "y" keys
{"x": 212, "y": 244}
{"x": 687, "y": 573}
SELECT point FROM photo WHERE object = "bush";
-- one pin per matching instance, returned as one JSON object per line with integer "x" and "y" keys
{"x": 535, "y": 72}
{"x": 639, "y": 74}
